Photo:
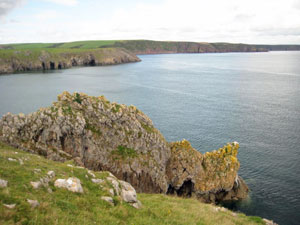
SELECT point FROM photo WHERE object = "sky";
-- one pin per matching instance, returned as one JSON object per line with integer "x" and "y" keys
{"x": 235, "y": 21}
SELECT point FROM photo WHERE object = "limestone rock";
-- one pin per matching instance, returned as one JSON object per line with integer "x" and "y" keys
{"x": 72, "y": 184}
{"x": 108, "y": 199}
{"x": 128, "y": 193}
{"x": 33, "y": 203}
{"x": 51, "y": 174}
{"x": 97, "y": 181}
{"x": 12, "y": 160}
{"x": 3, "y": 183}
{"x": 9, "y": 206}
{"x": 36, "y": 184}
{"x": 269, "y": 222}
{"x": 100, "y": 135}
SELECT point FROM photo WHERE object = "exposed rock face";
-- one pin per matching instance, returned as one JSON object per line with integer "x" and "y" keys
{"x": 50, "y": 60}
{"x": 107, "y": 136}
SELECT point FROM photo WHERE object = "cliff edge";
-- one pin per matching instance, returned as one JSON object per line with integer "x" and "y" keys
{"x": 100, "y": 135}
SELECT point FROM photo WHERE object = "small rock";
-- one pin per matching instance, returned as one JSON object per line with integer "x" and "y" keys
{"x": 69, "y": 165}
{"x": 49, "y": 190}
{"x": 33, "y": 203}
{"x": 269, "y": 222}
{"x": 21, "y": 162}
{"x": 51, "y": 174}
{"x": 234, "y": 214}
{"x": 91, "y": 174}
{"x": 12, "y": 160}
{"x": 10, "y": 206}
{"x": 36, "y": 185}
{"x": 3, "y": 183}
{"x": 111, "y": 191}
{"x": 72, "y": 184}
{"x": 37, "y": 170}
{"x": 97, "y": 181}
{"x": 137, "y": 205}
{"x": 108, "y": 199}
{"x": 16, "y": 152}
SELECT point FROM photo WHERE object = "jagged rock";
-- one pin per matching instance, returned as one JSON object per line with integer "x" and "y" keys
{"x": 72, "y": 184}
{"x": 108, "y": 199}
{"x": 115, "y": 184}
{"x": 3, "y": 183}
{"x": 33, "y": 203}
{"x": 121, "y": 139}
{"x": 9, "y": 206}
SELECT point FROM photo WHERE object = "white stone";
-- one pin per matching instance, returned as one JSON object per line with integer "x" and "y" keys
{"x": 72, "y": 184}
{"x": 9, "y": 206}
{"x": 33, "y": 203}
{"x": 128, "y": 193}
{"x": 115, "y": 184}
{"x": 3, "y": 183}
{"x": 36, "y": 185}
{"x": 91, "y": 174}
{"x": 69, "y": 165}
{"x": 137, "y": 205}
{"x": 21, "y": 162}
{"x": 51, "y": 174}
{"x": 111, "y": 191}
{"x": 12, "y": 160}
{"x": 97, "y": 181}
{"x": 108, "y": 199}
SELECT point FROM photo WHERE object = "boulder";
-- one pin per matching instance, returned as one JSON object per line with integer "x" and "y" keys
{"x": 128, "y": 193}
{"x": 72, "y": 184}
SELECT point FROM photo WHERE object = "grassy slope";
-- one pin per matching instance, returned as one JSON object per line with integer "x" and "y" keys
{"x": 63, "y": 207}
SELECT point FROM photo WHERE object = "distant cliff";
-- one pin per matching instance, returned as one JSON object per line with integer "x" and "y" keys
{"x": 159, "y": 47}
{"x": 49, "y": 59}
{"x": 101, "y": 135}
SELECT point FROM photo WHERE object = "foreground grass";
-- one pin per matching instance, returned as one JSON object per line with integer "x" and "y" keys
{"x": 64, "y": 207}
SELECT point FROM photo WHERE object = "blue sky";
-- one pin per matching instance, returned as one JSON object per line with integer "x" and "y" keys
{"x": 246, "y": 21}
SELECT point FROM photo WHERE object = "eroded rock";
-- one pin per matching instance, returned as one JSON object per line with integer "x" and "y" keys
{"x": 72, "y": 184}
{"x": 121, "y": 139}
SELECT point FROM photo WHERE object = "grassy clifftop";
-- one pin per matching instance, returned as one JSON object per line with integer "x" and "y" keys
{"x": 64, "y": 207}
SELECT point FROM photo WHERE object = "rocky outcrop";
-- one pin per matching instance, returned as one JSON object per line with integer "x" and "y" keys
{"x": 100, "y": 135}
{"x": 51, "y": 59}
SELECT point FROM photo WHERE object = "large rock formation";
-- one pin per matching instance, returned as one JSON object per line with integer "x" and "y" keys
{"x": 50, "y": 59}
{"x": 107, "y": 136}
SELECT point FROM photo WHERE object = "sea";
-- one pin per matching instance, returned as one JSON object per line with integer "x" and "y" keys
{"x": 209, "y": 99}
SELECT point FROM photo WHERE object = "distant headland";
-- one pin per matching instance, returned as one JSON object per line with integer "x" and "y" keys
{"x": 50, "y": 56}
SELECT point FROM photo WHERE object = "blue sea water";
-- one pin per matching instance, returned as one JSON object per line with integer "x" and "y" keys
{"x": 208, "y": 99}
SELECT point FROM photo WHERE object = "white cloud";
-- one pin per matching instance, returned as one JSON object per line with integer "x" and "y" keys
{"x": 64, "y": 2}
{"x": 8, "y": 5}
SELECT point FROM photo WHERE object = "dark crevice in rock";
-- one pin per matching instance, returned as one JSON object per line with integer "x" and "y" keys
{"x": 52, "y": 65}
{"x": 44, "y": 66}
{"x": 186, "y": 189}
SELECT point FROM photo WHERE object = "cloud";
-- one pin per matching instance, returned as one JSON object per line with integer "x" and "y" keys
{"x": 7, "y": 5}
{"x": 64, "y": 2}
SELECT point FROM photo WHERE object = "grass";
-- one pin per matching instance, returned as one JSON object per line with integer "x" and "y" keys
{"x": 64, "y": 207}
{"x": 123, "y": 152}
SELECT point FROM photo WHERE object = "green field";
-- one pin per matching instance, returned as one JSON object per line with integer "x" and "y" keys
{"x": 64, "y": 207}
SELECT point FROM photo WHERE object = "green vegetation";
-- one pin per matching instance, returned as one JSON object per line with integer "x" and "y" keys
{"x": 77, "y": 98}
{"x": 64, "y": 207}
{"x": 116, "y": 108}
{"x": 123, "y": 152}
{"x": 147, "y": 128}
{"x": 93, "y": 129}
